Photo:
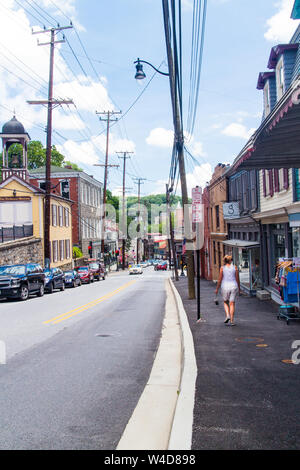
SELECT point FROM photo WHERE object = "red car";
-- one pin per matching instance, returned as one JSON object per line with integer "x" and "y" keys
{"x": 161, "y": 266}
{"x": 97, "y": 269}
{"x": 85, "y": 273}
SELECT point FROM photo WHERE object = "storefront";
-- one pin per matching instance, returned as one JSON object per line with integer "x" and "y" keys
{"x": 246, "y": 256}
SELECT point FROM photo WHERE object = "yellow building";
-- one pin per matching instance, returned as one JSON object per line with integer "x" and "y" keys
{"x": 22, "y": 206}
{"x": 22, "y": 211}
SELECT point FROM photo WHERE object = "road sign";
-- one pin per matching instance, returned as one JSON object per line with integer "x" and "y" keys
{"x": 197, "y": 214}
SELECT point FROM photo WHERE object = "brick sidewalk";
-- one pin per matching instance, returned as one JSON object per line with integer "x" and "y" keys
{"x": 246, "y": 397}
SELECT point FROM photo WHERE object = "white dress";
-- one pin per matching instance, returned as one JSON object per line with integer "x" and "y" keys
{"x": 229, "y": 285}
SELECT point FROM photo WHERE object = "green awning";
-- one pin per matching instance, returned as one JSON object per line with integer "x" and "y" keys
{"x": 296, "y": 10}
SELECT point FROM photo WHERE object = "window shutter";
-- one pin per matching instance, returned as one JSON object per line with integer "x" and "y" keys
{"x": 276, "y": 180}
{"x": 253, "y": 192}
{"x": 264, "y": 183}
{"x": 271, "y": 184}
{"x": 285, "y": 178}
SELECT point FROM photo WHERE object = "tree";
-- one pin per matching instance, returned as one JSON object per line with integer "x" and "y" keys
{"x": 36, "y": 155}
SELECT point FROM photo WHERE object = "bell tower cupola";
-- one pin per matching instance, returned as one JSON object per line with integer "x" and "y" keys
{"x": 14, "y": 150}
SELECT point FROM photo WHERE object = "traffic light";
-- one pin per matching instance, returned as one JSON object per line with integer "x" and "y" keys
{"x": 117, "y": 252}
{"x": 90, "y": 249}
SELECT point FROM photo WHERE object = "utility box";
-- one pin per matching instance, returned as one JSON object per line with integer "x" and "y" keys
{"x": 263, "y": 295}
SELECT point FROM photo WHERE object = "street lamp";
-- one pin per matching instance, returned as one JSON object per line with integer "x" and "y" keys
{"x": 140, "y": 74}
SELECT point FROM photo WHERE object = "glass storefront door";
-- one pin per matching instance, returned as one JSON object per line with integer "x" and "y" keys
{"x": 247, "y": 261}
{"x": 296, "y": 242}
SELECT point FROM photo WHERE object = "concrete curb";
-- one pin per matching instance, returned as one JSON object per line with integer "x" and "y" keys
{"x": 151, "y": 422}
{"x": 182, "y": 428}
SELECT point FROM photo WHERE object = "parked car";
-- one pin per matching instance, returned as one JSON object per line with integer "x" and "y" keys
{"x": 20, "y": 280}
{"x": 54, "y": 279}
{"x": 144, "y": 264}
{"x": 136, "y": 269}
{"x": 72, "y": 278}
{"x": 85, "y": 274}
{"x": 162, "y": 266}
{"x": 97, "y": 269}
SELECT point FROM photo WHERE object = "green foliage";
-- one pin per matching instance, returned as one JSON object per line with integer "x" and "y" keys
{"x": 74, "y": 166}
{"x": 36, "y": 154}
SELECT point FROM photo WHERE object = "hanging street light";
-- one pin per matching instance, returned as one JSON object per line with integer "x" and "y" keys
{"x": 140, "y": 74}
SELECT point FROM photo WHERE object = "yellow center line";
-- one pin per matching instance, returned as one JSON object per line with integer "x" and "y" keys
{"x": 76, "y": 311}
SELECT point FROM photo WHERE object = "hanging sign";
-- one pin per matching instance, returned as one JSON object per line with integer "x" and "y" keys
{"x": 231, "y": 210}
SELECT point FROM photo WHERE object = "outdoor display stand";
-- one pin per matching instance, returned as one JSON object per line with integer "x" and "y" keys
{"x": 289, "y": 280}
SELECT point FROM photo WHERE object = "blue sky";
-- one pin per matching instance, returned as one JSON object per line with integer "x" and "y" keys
{"x": 239, "y": 36}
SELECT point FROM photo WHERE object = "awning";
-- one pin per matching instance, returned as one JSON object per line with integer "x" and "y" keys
{"x": 276, "y": 143}
{"x": 296, "y": 10}
{"x": 241, "y": 243}
{"x": 294, "y": 220}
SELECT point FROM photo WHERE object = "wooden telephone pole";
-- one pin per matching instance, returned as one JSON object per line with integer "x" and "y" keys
{"x": 124, "y": 218}
{"x": 108, "y": 120}
{"x": 171, "y": 235}
{"x": 138, "y": 181}
{"x": 51, "y": 103}
{"x": 178, "y": 130}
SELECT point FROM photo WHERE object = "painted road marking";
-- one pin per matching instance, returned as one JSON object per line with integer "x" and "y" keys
{"x": 82, "y": 308}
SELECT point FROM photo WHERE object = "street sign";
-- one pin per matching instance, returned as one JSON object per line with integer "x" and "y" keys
{"x": 197, "y": 214}
{"x": 231, "y": 210}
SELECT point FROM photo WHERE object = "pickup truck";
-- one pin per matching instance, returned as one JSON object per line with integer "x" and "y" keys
{"x": 20, "y": 280}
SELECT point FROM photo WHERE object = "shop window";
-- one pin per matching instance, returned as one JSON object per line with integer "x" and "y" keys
{"x": 296, "y": 242}
{"x": 217, "y": 217}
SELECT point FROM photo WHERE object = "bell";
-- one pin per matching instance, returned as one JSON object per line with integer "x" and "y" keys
{"x": 15, "y": 161}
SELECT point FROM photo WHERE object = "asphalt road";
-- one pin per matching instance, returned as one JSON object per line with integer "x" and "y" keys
{"x": 78, "y": 361}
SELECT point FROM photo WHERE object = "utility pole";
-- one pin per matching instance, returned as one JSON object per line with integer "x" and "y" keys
{"x": 171, "y": 239}
{"x": 138, "y": 181}
{"x": 179, "y": 140}
{"x": 51, "y": 103}
{"x": 124, "y": 224}
{"x": 108, "y": 120}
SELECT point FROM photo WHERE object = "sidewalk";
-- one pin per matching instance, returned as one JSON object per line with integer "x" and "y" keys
{"x": 246, "y": 397}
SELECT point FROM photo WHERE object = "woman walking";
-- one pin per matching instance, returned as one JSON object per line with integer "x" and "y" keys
{"x": 229, "y": 281}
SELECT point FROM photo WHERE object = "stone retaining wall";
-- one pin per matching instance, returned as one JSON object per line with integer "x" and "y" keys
{"x": 23, "y": 250}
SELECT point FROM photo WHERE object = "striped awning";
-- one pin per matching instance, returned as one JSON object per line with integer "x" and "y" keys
{"x": 296, "y": 10}
{"x": 276, "y": 143}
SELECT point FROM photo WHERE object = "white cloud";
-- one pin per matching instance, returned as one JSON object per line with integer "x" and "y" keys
{"x": 280, "y": 26}
{"x": 238, "y": 130}
{"x": 187, "y": 5}
{"x": 164, "y": 138}
{"x": 89, "y": 152}
{"x": 21, "y": 79}
{"x": 160, "y": 137}
{"x": 83, "y": 92}
{"x": 200, "y": 176}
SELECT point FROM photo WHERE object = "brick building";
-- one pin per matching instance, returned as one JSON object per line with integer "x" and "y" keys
{"x": 86, "y": 194}
{"x": 217, "y": 190}
{"x": 205, "y": 259}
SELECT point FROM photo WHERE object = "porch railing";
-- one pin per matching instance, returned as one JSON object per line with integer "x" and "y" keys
{"x": 15, "y": 232}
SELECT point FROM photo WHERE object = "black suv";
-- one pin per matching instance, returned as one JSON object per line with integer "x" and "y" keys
{"x": 20, "y": 280}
